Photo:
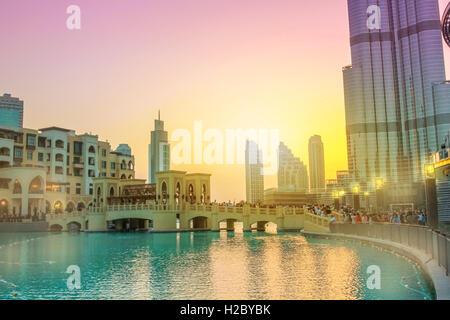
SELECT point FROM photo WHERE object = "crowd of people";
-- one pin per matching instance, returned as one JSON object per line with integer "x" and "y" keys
{"x": 348, "y": 214}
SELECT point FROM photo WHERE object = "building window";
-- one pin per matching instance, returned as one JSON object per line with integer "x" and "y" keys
{"x": 104, "y": 152}
{"x": 76, "y": 160}
{"x": 91, "y": 161}
{"x": 31, "y": 140}
{"x": 18, "y": 152}
{"x": 41, "y": 142}
{"x": 78, "y": 189}
{"x": 68, "y": 190}
{"x": 68, "y": 160}
{"x": 103, "y": 164}
{"x": 40, "y": 156}
{"x": 91, "y": 189}
{"x": 77, "y": 172}
{"x": 78, "y": 147}
{"x": 59, "y": 170}
{"x": 48, "y": 156}
{"x": 113, "y": 175}
{"x": 29, "y": 155}
{"x": 113, "y": 166}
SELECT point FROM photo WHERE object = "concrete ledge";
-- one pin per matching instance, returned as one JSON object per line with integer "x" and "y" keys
{"x": 432, "y": 270}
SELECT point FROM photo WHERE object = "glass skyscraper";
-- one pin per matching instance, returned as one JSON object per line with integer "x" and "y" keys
{"x": 396, "y": 97}
{"x": 158, "y": 151}
{"x": 11, "y": 112}
{"x": 254, "y": 175}
{"x": 316, "y": 164}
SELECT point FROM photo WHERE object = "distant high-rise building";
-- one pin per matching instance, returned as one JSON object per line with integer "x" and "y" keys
{"x": 396, "y": 98}
{"x": 292, "y": 173}
{"x": 316, "y": 163}
{"x": 158, "y": 151}
{"x": 11, "y": 112}
{"x": 254, "y": 175}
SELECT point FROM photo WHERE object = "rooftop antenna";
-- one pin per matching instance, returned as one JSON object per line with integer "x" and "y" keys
{"x": 159, "y": 114}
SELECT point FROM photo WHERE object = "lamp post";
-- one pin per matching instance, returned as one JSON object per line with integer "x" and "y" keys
{"x": 341, "y": 197}
{"x": 336, "y": 200}
{"x": 431, "y": 197}
{"x": 379, "y": 184}
{"x": 367, "y": 200}
{"x": 356, "y": 200}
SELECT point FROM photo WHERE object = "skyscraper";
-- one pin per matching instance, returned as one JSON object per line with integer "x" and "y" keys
{"x": 158, "y": 151}
{"x": 316, "y": 163}
{"x": 292, "y": 173}
{"x": 254, "y": 175}
{"x": 11, "y": 112}
{"x": 396, "y": 98}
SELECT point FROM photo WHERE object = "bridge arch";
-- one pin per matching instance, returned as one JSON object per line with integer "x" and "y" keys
{"x": 200, "y": 222}
{"x": 230, "y": 224}
{"x": 74, "y": 226}
{"x": 269, "y": 225}
{"x": 56, "y": 227}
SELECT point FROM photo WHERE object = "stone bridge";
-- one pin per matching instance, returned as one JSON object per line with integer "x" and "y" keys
{"x": 181, "y": 218}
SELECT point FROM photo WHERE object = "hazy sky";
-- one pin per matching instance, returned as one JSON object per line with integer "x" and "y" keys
{"x": 230, "y": 63}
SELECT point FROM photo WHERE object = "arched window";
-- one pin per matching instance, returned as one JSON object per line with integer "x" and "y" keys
{"x": 123, "y": 176}
{"x": 58, "y": 206}
{"x": 59, "y": 144}
{"x": 203, "y": 194}
{"x": 130, "y": 165}
{"x": 130, "y": 176}
{"x": 111, "y": 192}
{"x": 5, "y": 152}
{"x": 91, "y": 149}
{"x": 59, "y": 157}
{"x": 17, "y": 187}
{"x": 99, "y": 196}
{"x": 36, "y": 186}
{"x": 177, "y": 193}
{"x": 164, "y": 192}
{"x": 191, "y": 193}
{"x": 70, "y": 207}
{"x": 80, "y": 206}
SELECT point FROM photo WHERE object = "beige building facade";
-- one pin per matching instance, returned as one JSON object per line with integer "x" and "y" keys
{"x": 52, "y": 170}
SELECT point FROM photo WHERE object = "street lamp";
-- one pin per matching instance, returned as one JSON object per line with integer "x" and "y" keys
{"x": 367, "y": 199}
{"x": 356, "y": 201}
{"x": 431, "y": 196}
{"x": 336, "y": 200}
{"x": 379, "y": 192}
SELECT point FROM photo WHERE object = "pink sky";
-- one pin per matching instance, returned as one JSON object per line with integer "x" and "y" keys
{"x": 230, "y": 63}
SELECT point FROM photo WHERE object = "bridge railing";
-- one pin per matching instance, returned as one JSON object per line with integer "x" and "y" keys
{"x": 66, "y": 215}
{"x": 318, "y": 220}
{"x": 198, "y": 208}
{"x": 422, "y": 238}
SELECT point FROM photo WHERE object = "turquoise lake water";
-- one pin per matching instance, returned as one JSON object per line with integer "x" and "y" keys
{"x": 203, "y": 265}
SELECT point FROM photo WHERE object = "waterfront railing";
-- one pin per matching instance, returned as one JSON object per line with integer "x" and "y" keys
{"x": 430, "y": 242}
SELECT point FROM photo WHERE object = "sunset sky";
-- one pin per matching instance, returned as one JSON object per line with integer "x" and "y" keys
{"x": 230, "y": 63}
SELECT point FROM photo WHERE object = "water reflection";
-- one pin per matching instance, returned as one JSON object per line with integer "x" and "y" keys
{"x": 205, "y": 265}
